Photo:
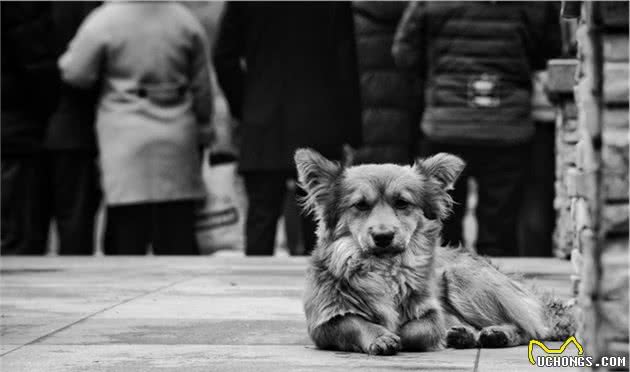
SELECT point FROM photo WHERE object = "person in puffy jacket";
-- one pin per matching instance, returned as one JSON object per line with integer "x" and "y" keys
{"x": 389, "y": 99}
{"x": 151, "y": 60}
{"x": 476, "y": 61}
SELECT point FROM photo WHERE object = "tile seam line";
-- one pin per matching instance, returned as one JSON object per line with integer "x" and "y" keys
{"x": 476, "y": 367}
{"x": 156, "y": 290}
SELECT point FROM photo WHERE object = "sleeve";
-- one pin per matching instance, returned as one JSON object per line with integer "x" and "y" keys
{"x": 227, "y": 54}
{"x": 68, "y": 17}
{"x": 80, "y": 64}
{"x": 407, "y": 48}
{"x": 548, "y": 36}
{"x": 201, "y": 83}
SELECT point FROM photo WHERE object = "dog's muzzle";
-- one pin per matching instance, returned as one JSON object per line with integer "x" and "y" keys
{"x": 383, "y": 240}
{"x": 383, "y": 244}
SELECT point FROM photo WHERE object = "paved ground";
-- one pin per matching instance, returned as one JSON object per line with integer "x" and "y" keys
{"x": 222, "y": 313}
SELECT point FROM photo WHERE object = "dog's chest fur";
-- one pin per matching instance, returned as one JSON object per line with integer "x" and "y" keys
{"x": 391, "y": 290}
{"x": 398, "y": 277}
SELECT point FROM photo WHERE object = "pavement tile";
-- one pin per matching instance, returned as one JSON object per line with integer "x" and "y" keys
{"x": 181, "y": 332}
{"x": 279, "y": 358}
{"x": 516, "y": 359}
{"x": 36, "y": 300}
{"x": 7, "y": 347}
{"x": 234, "y": 284}
{"x": 19, "y": 331}
{"x": 166, "y": 307}
{"x": 197, "y": 314}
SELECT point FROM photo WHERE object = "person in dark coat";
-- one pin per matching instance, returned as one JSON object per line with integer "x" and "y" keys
{"x": 288, "y": 71}
{"x": 477, "y": 60}
{"x": 48, "y": 146}
{"x": 29, "y": 91}
{"x": 389, "y": 98}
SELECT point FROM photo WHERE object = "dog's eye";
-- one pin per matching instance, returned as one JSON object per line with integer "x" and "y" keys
{"x": 401, "y": 204}
{"x": 362, "y": 205}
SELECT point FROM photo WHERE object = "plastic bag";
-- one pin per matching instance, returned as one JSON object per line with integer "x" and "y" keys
{"x": 220, "y": 221}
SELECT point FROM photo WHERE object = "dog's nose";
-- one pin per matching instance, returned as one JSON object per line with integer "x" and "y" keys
{"x": 383, "y": 239}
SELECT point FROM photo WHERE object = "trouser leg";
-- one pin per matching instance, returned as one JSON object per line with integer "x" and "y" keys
{"x": 500, "y": 179}
{"x": 536, "y": 220}
{"x": 173, "y": 230}
{"x": 308, "y": 225}
{"x": 127, "y": 229}
{"x": 265, "y": 193}
{"x": 77, "y": 195}
{"x": 25, "y": 205}
{"x": 293, "y": 223}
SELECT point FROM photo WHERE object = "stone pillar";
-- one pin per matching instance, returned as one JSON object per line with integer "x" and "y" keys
{"x": 592, "y": 180}
{"x": 560, "y": 90}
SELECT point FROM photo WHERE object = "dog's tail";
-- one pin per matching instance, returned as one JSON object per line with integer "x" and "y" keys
{"x": 561, "y": 317}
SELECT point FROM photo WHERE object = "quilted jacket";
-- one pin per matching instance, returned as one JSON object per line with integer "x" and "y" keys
{"x": 477, "y": 60}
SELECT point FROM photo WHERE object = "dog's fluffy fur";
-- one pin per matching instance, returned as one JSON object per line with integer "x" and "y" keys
{"x": 379, "y": 280}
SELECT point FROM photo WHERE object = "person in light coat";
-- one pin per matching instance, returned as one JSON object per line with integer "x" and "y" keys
{"x": 151, "y": 61}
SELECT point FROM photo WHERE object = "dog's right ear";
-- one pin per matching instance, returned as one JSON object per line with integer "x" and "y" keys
{"x": 315, "y": 175}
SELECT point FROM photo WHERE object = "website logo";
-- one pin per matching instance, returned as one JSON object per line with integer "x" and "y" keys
{"x": 555, "y": 357}
{"x": 547, "y": 350}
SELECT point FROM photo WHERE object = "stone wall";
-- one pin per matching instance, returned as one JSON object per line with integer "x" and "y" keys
{"x": 592, "y": 135}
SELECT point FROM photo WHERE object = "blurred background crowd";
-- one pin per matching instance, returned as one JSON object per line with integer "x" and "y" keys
{"x": 170, "y": 128}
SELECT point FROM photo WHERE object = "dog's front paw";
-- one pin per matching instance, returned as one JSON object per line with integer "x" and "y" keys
{"x": 387, "y": 344}
{"x": 493, "y": 337}
{"x": 461, "y": 338}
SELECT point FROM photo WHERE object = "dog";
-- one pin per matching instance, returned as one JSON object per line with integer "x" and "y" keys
{"x": 379, "y": 281}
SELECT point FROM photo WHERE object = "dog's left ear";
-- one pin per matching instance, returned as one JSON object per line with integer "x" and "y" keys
{"x": 315, "y": 175}
{"x": 444, "y": 168}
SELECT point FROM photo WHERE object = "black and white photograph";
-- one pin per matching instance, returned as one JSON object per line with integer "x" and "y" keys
{"x": 283, "y": 186}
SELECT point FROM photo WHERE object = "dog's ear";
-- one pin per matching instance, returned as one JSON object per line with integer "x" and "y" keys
{"x": 444, "y": 168}
{"x": 316, "y": 175}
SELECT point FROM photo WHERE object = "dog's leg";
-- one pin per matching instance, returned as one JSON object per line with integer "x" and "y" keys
{"x": 505, "y": 335}
{"x": 460, "y": 335}
{"x": 425, "y": 333}
{"x": 353, "y": 333}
